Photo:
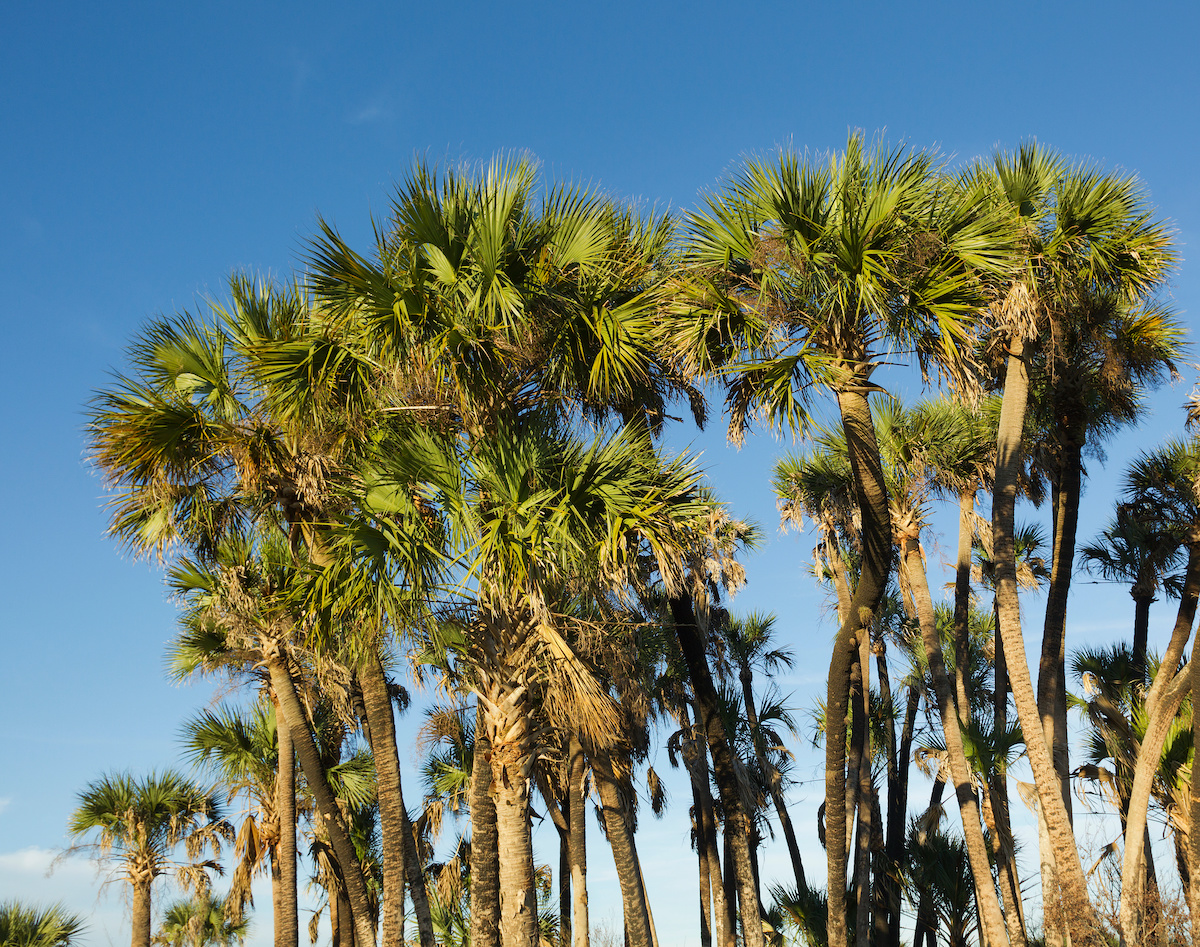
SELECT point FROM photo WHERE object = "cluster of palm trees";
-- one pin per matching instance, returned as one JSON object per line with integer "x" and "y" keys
{"x": 439, "y": 459}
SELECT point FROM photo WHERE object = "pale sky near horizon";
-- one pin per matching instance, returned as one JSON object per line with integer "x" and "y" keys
{"x": 148, "y": 150}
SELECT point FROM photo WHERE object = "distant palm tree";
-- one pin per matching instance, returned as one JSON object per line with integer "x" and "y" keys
{"x": 139, "y": 823}
{"x": 24, "y": 926}
{"x": 202, "y": 921}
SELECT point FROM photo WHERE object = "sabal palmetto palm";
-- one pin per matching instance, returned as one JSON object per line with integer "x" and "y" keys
{"x": 243, "y": 749}
{"x": 219, "y": 430}
{"x": 139, "y": 823}
{"x": 1082, "y": 237}
{"x": 1141, "y": 548}
{"x": 533, "y": 511}
{"x": 1165, "y": 482}
{"x": 202, "y": 921}
{"x": 814, "y": 269}
{"x": 905, "y": 439}
{"x": 22, "y": 925}
{"x": 749, "y": 642}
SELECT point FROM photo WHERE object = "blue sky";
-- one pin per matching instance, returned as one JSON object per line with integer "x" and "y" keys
{"x": 147, "y": 150}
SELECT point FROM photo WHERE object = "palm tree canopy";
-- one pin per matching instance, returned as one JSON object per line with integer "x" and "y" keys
{"x": 26, "y": 926}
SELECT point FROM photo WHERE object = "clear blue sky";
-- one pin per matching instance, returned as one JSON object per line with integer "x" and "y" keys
{"x": 149, "y": 149}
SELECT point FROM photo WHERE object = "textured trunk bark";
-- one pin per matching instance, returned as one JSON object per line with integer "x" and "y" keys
{"x": 564, "y": 884}
{"x": 577, "y": 773}
{"x": 326, "y": 803}
{"x": 1052, "y": 674}
{"x": 141, "y": 912}
{"x": 962, "y": 600}
{"x": 1163, "y": 699}
{"x": 703, "y": 871}
{"x": 866, "y": 799}
{"x": 731, "y": 886}
{"x": 345, "y": 920}
{"x": 883, "y": 920}
{"x": 394, "y": 828}
{"x": 620, "y": 839}
{"x": 506, "y": 716}
{"x": 876, "y": 536}
{"x": 854, "y": 752}
{"x": 287, "y": 907}
{"x": 485, "y": 857}
{"x": 991, "y": 918}
{"x": 737, "y": 827}
{"x": 1073, "y": 887}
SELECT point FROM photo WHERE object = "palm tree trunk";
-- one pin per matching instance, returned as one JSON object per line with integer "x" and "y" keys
{"x": 287, "y": 908}
{"x": 866, "y": 797}
{"x": 898, "y": 812}
{"x": 732, "y": 888}
{"x": 577, "y": 771}
{"x": 327, "y": 808}
{"x": 703, "y": 870}
{"x": 620, "y": 839}
{"x": 485, "y": 858}
{"x": 1162, "y": 702}
{"x": 876, "y": 535}
{"x": 1073, "y": 887}
{"x": 1141, "y": 635}
{"x": 926, "y": 926}
{"x": 962, "y": 600}
{"x": 399, "y": 851}
{"x": 141, "y": 912}
{"x": 506, "y": 714}
{"x": 772, "y": 777}
{"x": 697, "y": 761}
{"x": 736, "y": 819}
{"x": 1052, "y": 674}
{"x": 991, "y": 918}
{"x": 564, "y": 881}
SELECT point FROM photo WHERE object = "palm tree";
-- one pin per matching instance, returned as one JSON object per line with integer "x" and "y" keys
{"x": 903, "y": 439}
{"x": 203, "y": 921}
{"x": 1163, "y": 481}
{"x": 244, "y": 750}
{"x": 222, "y": 430}
{"x": 1140, "y": 548}
{"x": 811, "y": 268}
{"x": 749, "y": 642}
{"x": 139, "y": 823}
{"x": 533, "y": 509}
{"x": 1082, "y": 236}
{"x": 25, "y": 926}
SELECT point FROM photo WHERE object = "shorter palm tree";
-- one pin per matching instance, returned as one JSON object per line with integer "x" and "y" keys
{"x": 139, "y": 823}
{"x": 24, "y": 926}
{"x": 203, "y": 921}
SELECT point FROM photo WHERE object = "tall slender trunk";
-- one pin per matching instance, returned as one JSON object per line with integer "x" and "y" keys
{"x": 328, "y": 810}
{"x": 287, "y": 908}
{"x": 577, "y": 773}
{"x": 1141, "y": 635}
{"x": 991, "y": 918}
{"x": 884, "y": 882}
{"x": 141, "y": 911}
{"x": 506, "y": 715}
{"x": 399, "y": 849}
{"x": 876, "y": 535}
{"x": 1073, "y": 887}
{"x": 925, "y": 930}
{"x": 723, "y": 930}
{"x": 962, "y": 601}
{"x": 1163, "y": 699}
{"x": 866, "y": 797}
{"x": 703, "y": 871}
{"x": 620, "y": 839}
{"x": 771, "y": 774}
{"x": 737, "y": 823}
{"x": 898, "y": 813}
{"x": 564, "y": 876}
{"x": 485, "y": 857}
{"x": 732, "y": 888}
{"x": 856, "y": 747}
{"x": 997, "y": 785}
